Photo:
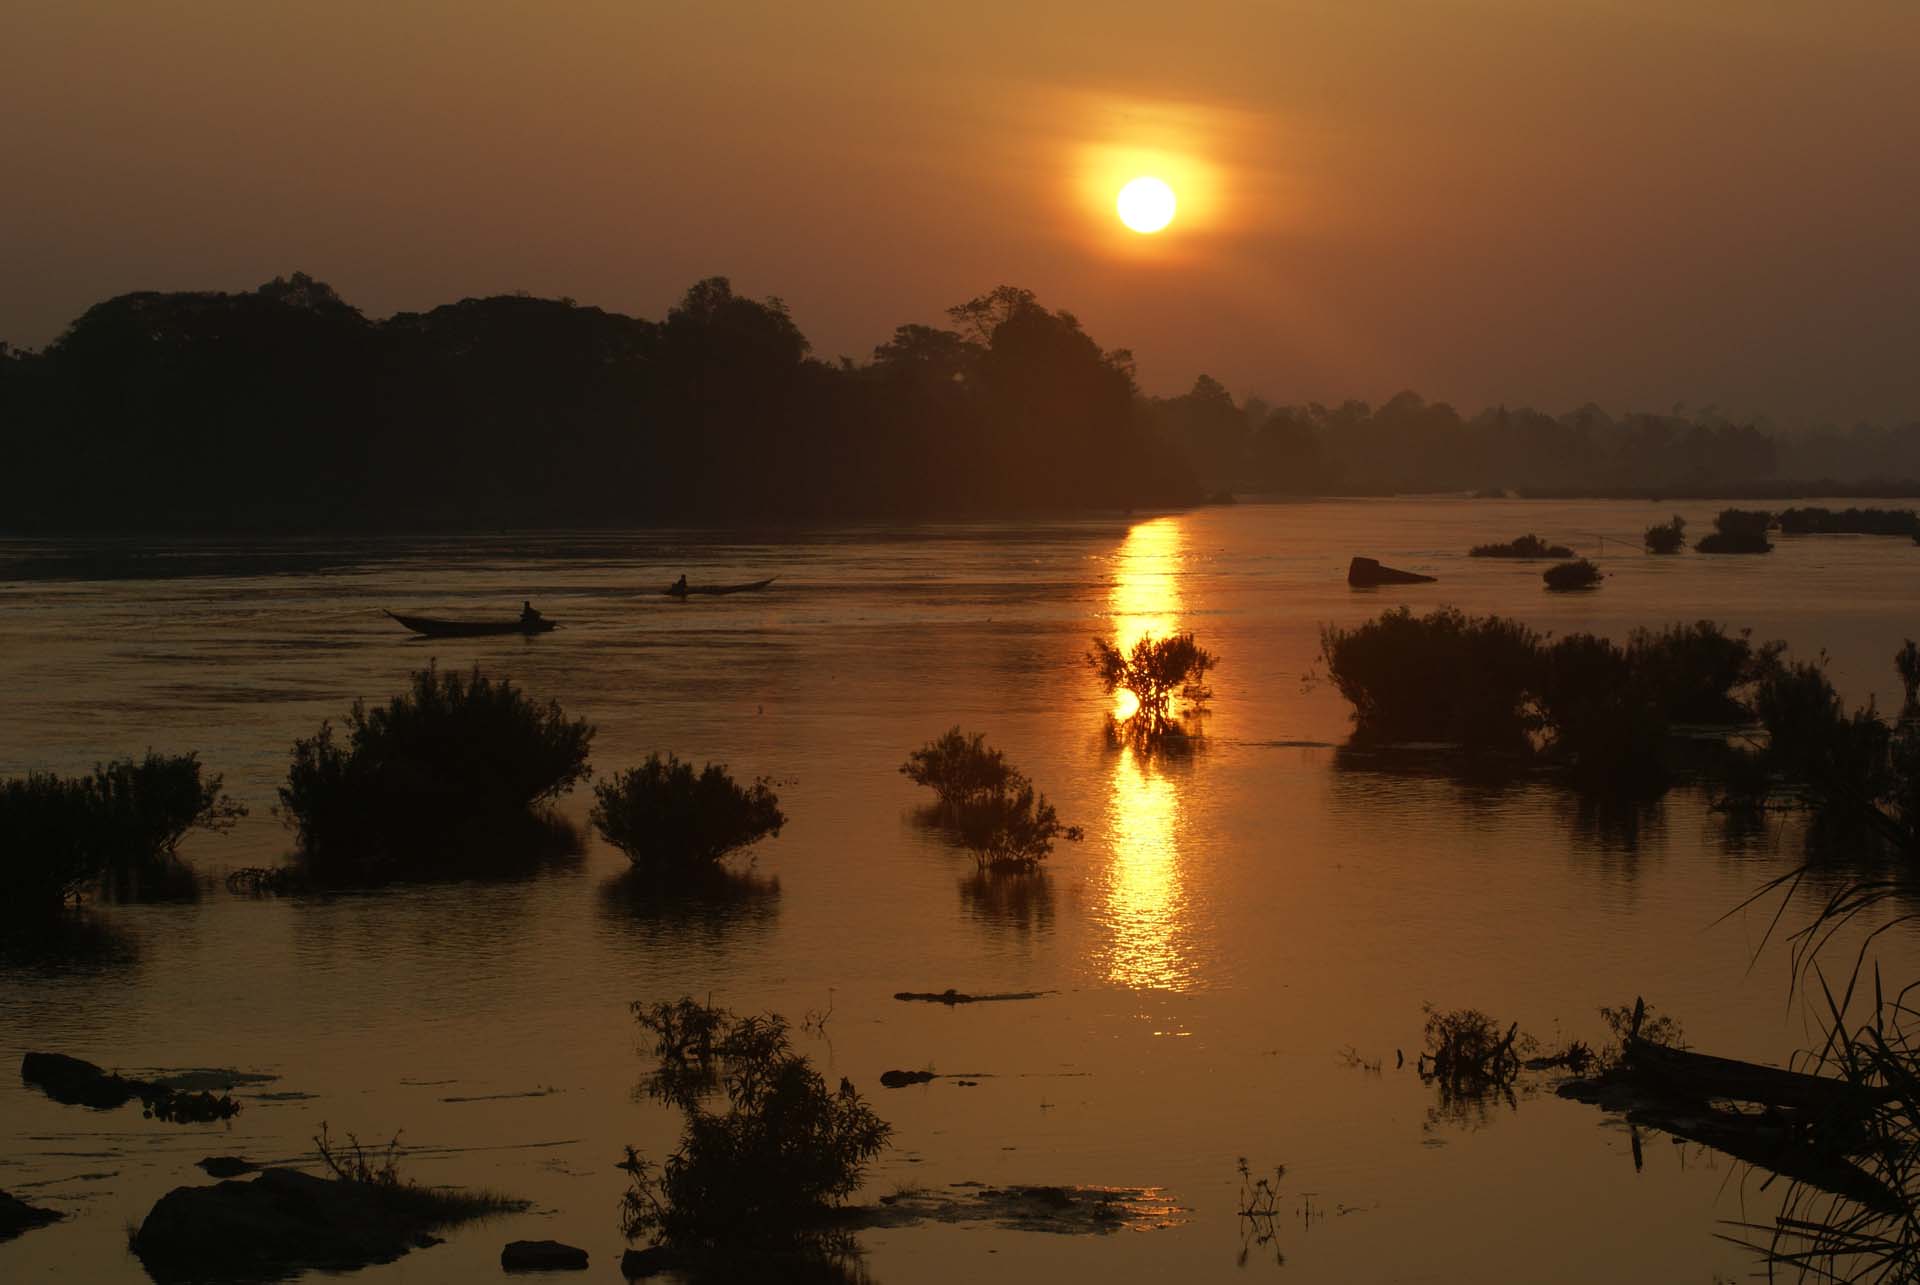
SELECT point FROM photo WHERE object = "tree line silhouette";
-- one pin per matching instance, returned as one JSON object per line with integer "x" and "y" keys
{"x": 287, "y": 408}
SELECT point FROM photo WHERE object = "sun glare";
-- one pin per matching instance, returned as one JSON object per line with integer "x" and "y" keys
{"x": 1146, "y": 204}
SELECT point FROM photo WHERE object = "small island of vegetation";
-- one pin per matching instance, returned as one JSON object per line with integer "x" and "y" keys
{"x": 446, "y": 779}
{"x": 1526, "y": 546}
{"x": 1667, "y": 537}
{"x": 1738, "y": 531}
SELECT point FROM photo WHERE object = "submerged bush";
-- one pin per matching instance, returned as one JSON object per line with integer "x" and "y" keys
{"x": 457, "y": 762}
{"x": 957, "y": 767}
{"x": 1154, "y": 672}
{"x": 1527, "y": 546}
{"x": 991, "y": 807}
{"x": 763, "y": 1174}
{"x": 1738, "y": 531}
{"x": 1580, "y": 574}
{"x": 58, "y": 835}
{"x": 1692, "y": 671}
{"x": 1668, "y": 536}
{"x": 666, "y": 818}
{"x": 1444, "y": 676}
{"x": 1906, "y": 662}
{"x": 1600, "y": 714}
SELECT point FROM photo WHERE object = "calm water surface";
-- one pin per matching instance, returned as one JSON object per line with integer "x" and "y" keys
{"x": 1230, "y": 924}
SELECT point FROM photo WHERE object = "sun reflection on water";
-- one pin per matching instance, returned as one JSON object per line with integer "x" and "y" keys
{"x": 1144, "y": 891}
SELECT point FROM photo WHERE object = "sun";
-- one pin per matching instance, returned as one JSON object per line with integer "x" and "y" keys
{"x": 1146, "y": 205}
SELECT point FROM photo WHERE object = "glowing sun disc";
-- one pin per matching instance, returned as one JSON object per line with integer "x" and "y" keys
{"x": 1146, "y": 205}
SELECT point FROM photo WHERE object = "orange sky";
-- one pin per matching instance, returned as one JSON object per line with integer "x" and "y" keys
{"x": 1639, "y": 202}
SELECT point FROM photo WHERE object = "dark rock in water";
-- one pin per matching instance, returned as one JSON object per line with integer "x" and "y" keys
{"x": 951, "y": 996}
{"x": 1052, "y": 1197}
{"x": 75, "y": 1082}
{"x": 71, "y": 1081}
{"x": 18, "y": 1216}
{"x": 900, "y": 1079}
{"x": 542, "y": 1256}
{"x": 1364, "y": 573}
{"x": 282, "y": 1219}
{"x": 226, "y": 1166}
{"x": 638, "y": 1264}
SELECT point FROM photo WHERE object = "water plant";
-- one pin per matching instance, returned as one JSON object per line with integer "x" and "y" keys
{"x": 1444, "y": 676}
{"x": 1667, "y": 537}
{"x": 1153, "y": 672}
{"x": 1738, "y": 531}
{"x": 60, "y": 835}
{"x": 666, "y": 818}
{"x": 957, "y": 767}
{"x": 442, "y": 779}
{"x": 1526, "y": 546}
{"x": 764, "y": 1173}
{"x": 1579, "y": 574}
{"x": 990, "y": 806}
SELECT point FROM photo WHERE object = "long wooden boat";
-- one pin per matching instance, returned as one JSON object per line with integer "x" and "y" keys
{"x": 432, "y": 628}
{"x": 708, "y": 590}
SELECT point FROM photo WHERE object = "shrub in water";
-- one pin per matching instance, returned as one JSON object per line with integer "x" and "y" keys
{"x": 1572, "y": 575}
{"x": 1692, "y": 671}
{"x": 1600, "y": 714}
{"x": 457, "y": 760}
{"x": 1527, "y": 546}
{"x": 764, "y": 1173}
{"x": 1738, "y": 531}
{"x": 59, "y": 835}
{"x": 1668, "y": 537}
{"x": 664, "y": 817}
{"x": 1444, "y": 676}
{"x": 1154, "y": 672}
{"x": 1013, "y": 827}
{"x": 957, "y": 767}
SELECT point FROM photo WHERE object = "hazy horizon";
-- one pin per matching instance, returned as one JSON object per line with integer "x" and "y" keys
{"x": 1633, "y": 204}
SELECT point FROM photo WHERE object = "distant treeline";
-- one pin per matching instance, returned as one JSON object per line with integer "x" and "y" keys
{"x": 288, "y": 408}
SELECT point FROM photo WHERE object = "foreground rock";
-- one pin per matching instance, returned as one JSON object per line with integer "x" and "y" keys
{"x": 1365, "y": 573}
{"x": 18, "y": 1216}
{"x": 542, "y": 1256}
{"x": 285, "y": 1219}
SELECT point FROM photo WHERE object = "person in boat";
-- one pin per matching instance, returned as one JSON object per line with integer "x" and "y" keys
{"x": 680, "y": 585}
{"x": 528, "y": 616}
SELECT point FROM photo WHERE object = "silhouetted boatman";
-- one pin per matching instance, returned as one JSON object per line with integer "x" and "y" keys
{"x": 528, "y": 616}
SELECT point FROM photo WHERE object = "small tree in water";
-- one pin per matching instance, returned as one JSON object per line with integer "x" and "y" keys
{"x": 764, "y": 1174}
{"x": 993, "y": 807}
{"x": 957, "y": 767}
{"x": 665, "y": 818}
{"x": 1154, "y": 672}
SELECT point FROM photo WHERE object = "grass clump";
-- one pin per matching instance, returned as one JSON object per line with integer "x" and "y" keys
{"x": 667, "y": 818}
{"x": 1154, "y": 672}
{"x": 61, "y": 835}
{"x": 1444, "y": 676}
{"x": 1527, "y": 546}
{"x": 442, "y": 779}
{"x": 376, "y": 1170}
{"x": 1579, "y": 574}
{"x": 990, "y": 806}
{"x": 1738, "y": 531}
{"x": 1667, "y": 537}
{"x": 765, "y": 1173}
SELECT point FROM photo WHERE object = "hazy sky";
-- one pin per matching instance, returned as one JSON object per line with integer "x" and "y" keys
{"x": 1637, "y": 202}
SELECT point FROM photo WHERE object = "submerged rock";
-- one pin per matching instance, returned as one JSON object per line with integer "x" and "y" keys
{"x": 17, "y": 1216}
{"x": 75, "y": 1082}
{"x": 542, "y": 1256}
{"x": 1364, "y": 573}
{"x": 279, "y": 1220}
{"x": 951, "y": 996}
{"x": 900, "y": 1079}
{"x": 226, "y": 1166}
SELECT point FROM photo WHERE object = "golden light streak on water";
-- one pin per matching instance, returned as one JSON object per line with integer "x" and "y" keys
{"x": 1143, "y": 892}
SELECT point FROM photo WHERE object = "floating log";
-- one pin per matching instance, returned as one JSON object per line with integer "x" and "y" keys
{"x": 1365, "y": 573}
